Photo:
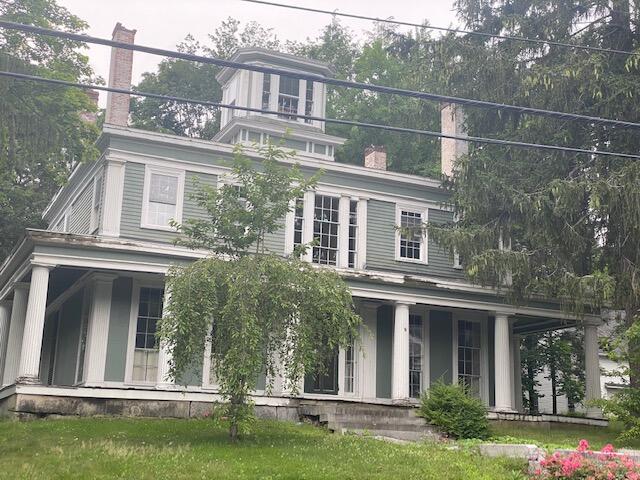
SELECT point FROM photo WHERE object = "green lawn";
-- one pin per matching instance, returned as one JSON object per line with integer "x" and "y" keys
{"x": 566, "y": 436}
{"x": 174, "y": 449}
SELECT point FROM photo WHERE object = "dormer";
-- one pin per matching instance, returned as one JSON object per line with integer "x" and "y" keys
{"x": 278, "y": 93}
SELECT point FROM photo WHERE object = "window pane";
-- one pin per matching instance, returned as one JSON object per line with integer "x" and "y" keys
{"x": 325, "y": 227}
{"x": 163, "y": 189}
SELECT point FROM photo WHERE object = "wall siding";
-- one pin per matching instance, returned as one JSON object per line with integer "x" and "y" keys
{"x": 441, "y": 346}
{"x": 381, "y": 243}
{"x": 132, "y": 204}
{"x": 80, "y": 217}
{"x": 67, "y": 352}
{"x": 384, "y": 347}
{"x": 118, "y": 337}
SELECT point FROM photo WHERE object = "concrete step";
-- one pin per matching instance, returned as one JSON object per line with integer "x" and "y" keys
{"x": 338, "y": 418}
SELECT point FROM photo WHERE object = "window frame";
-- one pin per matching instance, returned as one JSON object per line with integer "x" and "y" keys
{"x": 95, "y": 208}
{"x": 133, "y": 322}
{"x": 170, "y": 172}
{"x": 424, "y": 250}
{"x": 484, "y": 350}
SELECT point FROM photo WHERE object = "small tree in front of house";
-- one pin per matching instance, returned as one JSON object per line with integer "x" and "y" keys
{"x": 259, "y": 312}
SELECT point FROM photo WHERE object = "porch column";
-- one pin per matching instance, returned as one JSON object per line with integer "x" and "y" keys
{"x": 164, "y": 355}
{"x": 517, "y": 374}
{"x": 5, "y": 315}
{"x": 503, "y": 364}
{"x": 592, "y": 369}
{"x": 400, "y": 365}
{"x": 98, "y": 330}
{"x": 29, "y": 369}
{"x": 367, "y": 367}
{"x": 16, "y": 328}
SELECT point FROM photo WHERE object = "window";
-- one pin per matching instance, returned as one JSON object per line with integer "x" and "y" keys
{"x": 96, "y": 203}
{"x": 162, "y": 198}
{"x": 298, "y": 222}
{"x": 325, "y": 230}
{"x": 469, "y": 355}
{"x": 411, "y": 241}
{"x": 353, "y": 233}
{"x": 266, "y": 91}
{"x": 350, "y": 368}
{"x": 289, "y": 97}
{"x": 308, "y": 104}
{"x": 415, "y": 356}
{"x": 145, "y": 356}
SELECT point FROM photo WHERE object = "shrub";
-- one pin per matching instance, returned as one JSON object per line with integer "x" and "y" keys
{"x": 587, "y": 464}
{"x": 455, "y": 411}
{"x": 625, "y": 406}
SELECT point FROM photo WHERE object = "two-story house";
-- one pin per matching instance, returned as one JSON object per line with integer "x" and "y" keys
{"x": 80, "y": 301}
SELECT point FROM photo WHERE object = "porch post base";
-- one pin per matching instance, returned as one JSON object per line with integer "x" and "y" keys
{"x": 401, "y": 401}
{"x": 28, "y": 380}
{"x": 503, "y": 410}
{"x": 594, "y": 412}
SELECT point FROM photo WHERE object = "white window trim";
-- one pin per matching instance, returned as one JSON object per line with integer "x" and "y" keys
{"x": 133, "y": 322}
{"x": 424, "y": 251}
{"x": 484, "y": 351}
{"x": 180, "y": 175}
{"x": 456, "y": 261}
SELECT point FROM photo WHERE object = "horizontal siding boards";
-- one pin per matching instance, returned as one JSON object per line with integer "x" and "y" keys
{"x": 80, "y": 217}
{"x": 118, "y": 336}
{"x": 132, "y": 204}
{"x": 68, "y": 340}
{"x": 381, "y": 243}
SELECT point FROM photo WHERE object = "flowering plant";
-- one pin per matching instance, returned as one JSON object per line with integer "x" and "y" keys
{"x": 583, "y": 463}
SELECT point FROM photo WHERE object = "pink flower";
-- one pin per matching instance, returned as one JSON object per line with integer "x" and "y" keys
{"x": 608, "y": 448}
{"x": 583, "y": 446}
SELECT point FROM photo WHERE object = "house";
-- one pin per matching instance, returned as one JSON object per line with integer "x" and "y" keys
{"x": 80, "y": 301}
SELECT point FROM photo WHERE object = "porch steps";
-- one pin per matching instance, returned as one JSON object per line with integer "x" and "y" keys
{"x": 396, "y": 422}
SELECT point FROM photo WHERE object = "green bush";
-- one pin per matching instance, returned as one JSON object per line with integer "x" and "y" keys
{"x": 625, "y": 407}
{"x": 455, "y": 411}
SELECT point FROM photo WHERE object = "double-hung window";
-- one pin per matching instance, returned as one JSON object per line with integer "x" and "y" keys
{"x": 288, "y": 97}
{"x": 325, "y": 230}
{"x": 415, "y": 355}
{"x": 298, "y": 222}
{"x": 469, "y": 344}
{"x": 308, "y": 104}
{"x": 145, "y": 355}
{"x": 266, "y": 91}
{"x": 350, "y": 363}
{"x": 163, "y": 194}
{"x": 353, "y": 233}
{"x": 411, "y": 240}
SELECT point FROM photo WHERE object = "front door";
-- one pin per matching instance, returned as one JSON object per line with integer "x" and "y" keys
{"x": 325, "y": 383}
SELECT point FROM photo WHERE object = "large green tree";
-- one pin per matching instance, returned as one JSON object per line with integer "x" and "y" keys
{"x": 572, "y": 222}
{"x": 257, "y": 311}
{"x": 42, "y": 133}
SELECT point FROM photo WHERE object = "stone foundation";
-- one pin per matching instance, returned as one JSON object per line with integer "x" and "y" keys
{"x": 26, "y": 406}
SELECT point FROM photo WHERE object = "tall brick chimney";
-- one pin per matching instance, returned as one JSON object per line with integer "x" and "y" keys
{"x": 452, "y": 123}
{"x": 375, "y": 157}
{"x": 120, "y": 77}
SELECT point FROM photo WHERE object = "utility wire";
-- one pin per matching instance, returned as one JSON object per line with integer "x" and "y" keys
{"x": 480, "y": 140}
{"x": 321, "y": 79}
{"x": 447, "y": 29}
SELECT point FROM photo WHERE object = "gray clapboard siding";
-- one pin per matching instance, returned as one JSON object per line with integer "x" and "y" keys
{"x": 132, "y": 204}
{"x": 381, "y": 243}
{"x": 80, "y": 217}
{"x": 118, "y": 337}
{"x": 68, "y": 340}
{"x": 440, "y": 346}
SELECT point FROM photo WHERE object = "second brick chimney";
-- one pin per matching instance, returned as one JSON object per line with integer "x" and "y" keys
{"x": 375, "y": 157}
{"x": 120, "y": 77}
{"x": 452, "y": 123}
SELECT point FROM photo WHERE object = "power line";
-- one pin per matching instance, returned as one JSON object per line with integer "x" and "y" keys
{"x": 446, "y": 29}
{"x": 390, "y": 128}
{"x": 321, "y": 79}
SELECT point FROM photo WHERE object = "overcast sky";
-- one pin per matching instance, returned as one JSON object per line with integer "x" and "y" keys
{"x": 163, "y": 23}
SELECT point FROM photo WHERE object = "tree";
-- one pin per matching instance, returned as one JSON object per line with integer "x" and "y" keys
{"x": 572, "y": 222}
{"x": 531, "y": 365}
{"x": 257, "y": 311}
{"x": 42, "y": 133}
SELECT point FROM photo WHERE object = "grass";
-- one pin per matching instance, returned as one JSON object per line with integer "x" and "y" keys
{"x": 560, "y": 436}
{"x": 175, "y": 449}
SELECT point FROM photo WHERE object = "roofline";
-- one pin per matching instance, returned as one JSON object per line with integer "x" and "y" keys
{"x": 301, "y": 158}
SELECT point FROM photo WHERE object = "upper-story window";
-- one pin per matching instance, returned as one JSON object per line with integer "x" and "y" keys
{"x": 325, "y": 230}
{"x": 411, "y": 241}
{"x": 96, "y": 203}
{"x": 266, "y": 91}
{"x": 353, "y": 233}
{"x": 288, "y": 97}
{"x": 298, "y": 222}
{"x": 163, "y": 195}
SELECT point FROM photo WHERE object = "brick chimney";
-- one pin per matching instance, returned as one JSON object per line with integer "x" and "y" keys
{"x": 452, "y": 123}
{"x": 120, "y": 77}
{"x": 375, "y": 157}
{"x": 90, "y": 117}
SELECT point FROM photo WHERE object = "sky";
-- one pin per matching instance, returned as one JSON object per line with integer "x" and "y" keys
{"x": 164, "y": 23}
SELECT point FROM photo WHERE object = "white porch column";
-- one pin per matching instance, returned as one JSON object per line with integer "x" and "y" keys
{"x": 592, "y": 369}
{"x": 98, "y": 329}
{"x": 367, "y": 364}
{"x": 400, "y": 365}
{"x": 517, "y": 373}
{"x": 164, "y": 355}
{"x": 503, "y": 364}
{"x": 16, "y": 328}
{"x": 29, "y": 369}
{"x": 5, "y": 316}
